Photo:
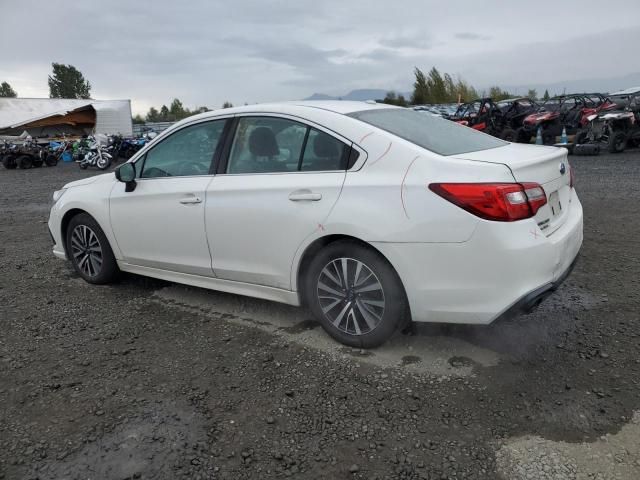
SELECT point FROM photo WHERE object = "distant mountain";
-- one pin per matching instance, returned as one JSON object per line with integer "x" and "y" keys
{"x": 320, "y": 96}
{"x": 360, "y": 95}
{"x": 602, "y": 85}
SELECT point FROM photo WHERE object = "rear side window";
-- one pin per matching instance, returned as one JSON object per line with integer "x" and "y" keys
{"x": 435, "y": 134}
{"x": 278, "y": 145}
{"x": 323, "y": 152}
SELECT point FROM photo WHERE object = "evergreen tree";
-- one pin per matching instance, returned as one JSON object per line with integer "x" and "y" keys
{"x": 532, "y": 94}
{"x": 153, "y": 115}
{"x": 68, "y": 82}
{"x": 546, "y": 95}
{"x": 7, "y": 91}
{"x": 177, "y": 110}
{"x": 437, "y": 87}
{"x": 420, "y": 88}
{"x": 164, "y": 114}
{"x": 227, "y": 105}
{"x": 394, "y": 99}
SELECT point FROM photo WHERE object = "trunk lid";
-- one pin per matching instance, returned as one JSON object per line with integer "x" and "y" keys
{"x": 547, "y": 166}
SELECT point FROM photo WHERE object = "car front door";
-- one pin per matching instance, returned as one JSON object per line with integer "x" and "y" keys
{"x": 274, "y": 188}
{"x": 160, "y": 224}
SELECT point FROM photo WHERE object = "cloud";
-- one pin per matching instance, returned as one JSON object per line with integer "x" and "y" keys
{"x": 207, "y": 52}
{"x": 413, "y": 40}
{"x": 471, "y": 36}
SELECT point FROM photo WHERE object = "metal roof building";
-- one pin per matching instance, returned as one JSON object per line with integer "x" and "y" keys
{"x": 55, "y": 116}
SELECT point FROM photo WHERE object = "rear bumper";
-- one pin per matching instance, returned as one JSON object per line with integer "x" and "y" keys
{"x": 503, "y": 267}
{"x": 532, "y": 300}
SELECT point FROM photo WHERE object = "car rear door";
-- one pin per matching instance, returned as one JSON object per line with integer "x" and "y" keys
{"x": 160, "y": 224}
{"x": 276, "y": 185}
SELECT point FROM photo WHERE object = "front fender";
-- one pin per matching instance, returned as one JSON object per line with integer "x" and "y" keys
{"x": 93, "y": 199}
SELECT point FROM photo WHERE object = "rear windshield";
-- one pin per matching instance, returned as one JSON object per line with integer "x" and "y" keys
{"x": 436, "y": 134}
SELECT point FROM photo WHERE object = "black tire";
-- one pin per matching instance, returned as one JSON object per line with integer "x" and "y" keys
{"x": 617, "y": 141}
{"x": 581, "y": 137}
{"x": 509, "y": 135}
{"x": 548, "y": 138}
{"x": 82, "y": 237}
{"x": 104, "y": 163}
{"x": 24, "y": 161}
{"x": 37, "y": 162}
{"x": 378, "y": 323}
{"x": 523, "y": 136}
{"x": 51, "y": 160}
{"x": 9, "y": 162}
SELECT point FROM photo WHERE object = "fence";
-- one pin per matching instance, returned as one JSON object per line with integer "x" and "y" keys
{"x": 140, "y": 128}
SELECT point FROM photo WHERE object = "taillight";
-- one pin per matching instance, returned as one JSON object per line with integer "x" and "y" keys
{"x": 502, "y": 202}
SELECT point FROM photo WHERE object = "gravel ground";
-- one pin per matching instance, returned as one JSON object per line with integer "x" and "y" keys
{"x": 145, "y": 379}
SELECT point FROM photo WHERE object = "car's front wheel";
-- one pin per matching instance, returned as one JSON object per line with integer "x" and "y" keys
{"x": 355, "y": 294}
{"x": 89, "y": 250}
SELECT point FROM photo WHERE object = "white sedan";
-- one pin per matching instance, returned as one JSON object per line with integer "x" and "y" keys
{"x": 370, "y": 215}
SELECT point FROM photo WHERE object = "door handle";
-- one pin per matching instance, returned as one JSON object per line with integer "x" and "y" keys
{"x": 190, "y": 200}
{"x": 304, "y": 195}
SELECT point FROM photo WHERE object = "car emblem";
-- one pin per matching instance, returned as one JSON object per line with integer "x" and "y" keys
{"x": 563, "y": 168}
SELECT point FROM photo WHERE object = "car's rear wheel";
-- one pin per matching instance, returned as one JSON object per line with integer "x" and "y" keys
{"x": 355, "y": 294}
{"x": 89, "y": 250}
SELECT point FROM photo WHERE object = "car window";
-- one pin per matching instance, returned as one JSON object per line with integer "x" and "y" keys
{"x": 323, "y": 152}
{"x": 435, "y": 134}
{"x": 266, "y": 144}
{"x": 186, "y": 152}
{"x": 271, "y": 145}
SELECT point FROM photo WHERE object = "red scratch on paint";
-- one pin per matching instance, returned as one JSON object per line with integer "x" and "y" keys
{"x": 362, "y": 139}
{"x": 402, "y": 186}
{"x": 321, "y": 227}
{"x": 385, "y": 152}
{"x": 534, "y": 233}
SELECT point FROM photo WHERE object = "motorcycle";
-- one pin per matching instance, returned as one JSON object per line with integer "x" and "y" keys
{"x": 96, "y": 155}
{"x": 55, "y": 151}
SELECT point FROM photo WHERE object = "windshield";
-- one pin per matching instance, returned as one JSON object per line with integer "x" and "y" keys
{"x": 435, "y": 134}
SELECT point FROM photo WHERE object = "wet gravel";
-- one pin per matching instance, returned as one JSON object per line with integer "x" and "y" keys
{"x": 105, "y": 382}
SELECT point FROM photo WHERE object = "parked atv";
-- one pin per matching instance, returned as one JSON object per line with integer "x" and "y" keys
{"x": 614, "y": 128}
{"x": 515, "y": 110}
{"x": 503, "y": 119}
{"x": 28, "y": 154}
{"x": 564, "y": 112}
{"x": 8, "y": 155}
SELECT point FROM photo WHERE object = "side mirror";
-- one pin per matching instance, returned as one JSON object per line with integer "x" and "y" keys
{"x": 126, "y": 173}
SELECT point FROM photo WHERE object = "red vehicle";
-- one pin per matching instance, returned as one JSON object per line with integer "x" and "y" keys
{"x": 564, "y": 112}
{"x": 502, "y": 119}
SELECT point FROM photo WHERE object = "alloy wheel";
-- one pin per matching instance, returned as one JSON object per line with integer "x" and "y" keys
{"x": 86, "y": 250}
{"x": 351, "y": 296}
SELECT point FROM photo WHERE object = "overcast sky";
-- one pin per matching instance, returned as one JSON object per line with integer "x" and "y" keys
{"x": 206, "y": 52}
